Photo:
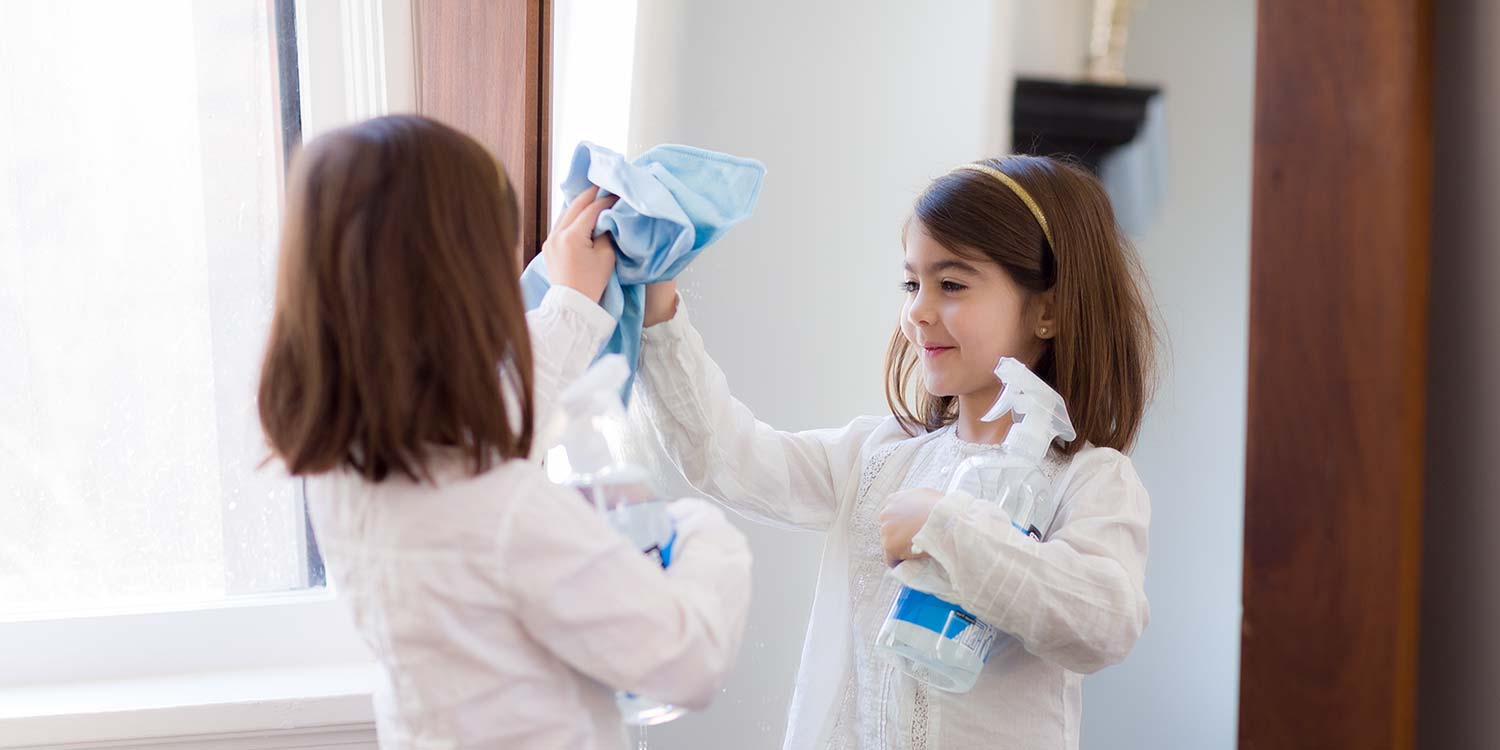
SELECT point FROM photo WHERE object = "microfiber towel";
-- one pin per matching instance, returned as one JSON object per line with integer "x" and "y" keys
{"x": 674, "y": 201}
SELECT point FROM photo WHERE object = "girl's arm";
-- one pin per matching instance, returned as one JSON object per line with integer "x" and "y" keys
{"x": 1077, "y": 599}
{"x": 567, "y": 332}
{"x": 606, "y": 610}
{"x": 784, "y": 478}
{"x": 569, "y": 327}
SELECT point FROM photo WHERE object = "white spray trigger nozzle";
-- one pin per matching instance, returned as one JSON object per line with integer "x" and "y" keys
{"x": 1031, "y": 398}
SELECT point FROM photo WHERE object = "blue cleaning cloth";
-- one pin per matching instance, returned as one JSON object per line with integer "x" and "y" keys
{"x": 674, "y": 201}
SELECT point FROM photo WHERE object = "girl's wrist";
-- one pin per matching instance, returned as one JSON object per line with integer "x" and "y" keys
{"x": 661, "y": 303}
{"x": 593, "y": 291}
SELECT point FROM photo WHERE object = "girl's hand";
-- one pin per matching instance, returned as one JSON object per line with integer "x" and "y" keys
{"x": 661, "y": 303}
{"x": 574, "y": 256}
{"x": 902, "y": 518}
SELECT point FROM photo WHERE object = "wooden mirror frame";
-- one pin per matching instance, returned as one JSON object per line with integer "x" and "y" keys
{"x": 1339, "y": 245}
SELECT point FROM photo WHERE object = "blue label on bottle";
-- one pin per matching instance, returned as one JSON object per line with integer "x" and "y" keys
{"x": 927, "y": 611}
{"x": 663, "y": 552}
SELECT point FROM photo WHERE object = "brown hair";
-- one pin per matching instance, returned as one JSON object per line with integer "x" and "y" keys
{"x": 1100, "y": 361}
{"x": 399, "y": 325}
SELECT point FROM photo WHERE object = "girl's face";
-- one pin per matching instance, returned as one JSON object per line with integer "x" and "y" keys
{"x": 963, "y": 315}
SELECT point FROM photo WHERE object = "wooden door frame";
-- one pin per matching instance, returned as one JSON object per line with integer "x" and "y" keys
{"x": 1340, "y": 241}
{"x": 485, "y": 67}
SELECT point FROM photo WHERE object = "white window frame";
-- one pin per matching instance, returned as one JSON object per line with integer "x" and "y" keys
{"x": 355, "y": 60}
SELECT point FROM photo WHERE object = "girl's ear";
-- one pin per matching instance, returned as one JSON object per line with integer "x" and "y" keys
{"x": 1044, "y": 312}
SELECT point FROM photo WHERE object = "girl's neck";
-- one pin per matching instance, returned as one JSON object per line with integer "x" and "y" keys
{"x": 971, "y": 428}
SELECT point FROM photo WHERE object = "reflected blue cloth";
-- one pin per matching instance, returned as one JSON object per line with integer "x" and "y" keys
{"x": 674, "y": 201}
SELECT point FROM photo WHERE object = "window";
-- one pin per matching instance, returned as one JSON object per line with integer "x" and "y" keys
{"x": 593, "y": 57}
{"x": 140, "y": 185}
{"x": 142, "y": 150}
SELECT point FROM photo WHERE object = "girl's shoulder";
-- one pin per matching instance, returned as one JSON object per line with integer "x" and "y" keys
{"x": 858, "y": 444}
{"x": 507, "y": 489}
{"x": 888, "y": 444}
{"x": 882, "y": 434}
{"x": 1092, "y": 465}
{"x": 453, "y": 511}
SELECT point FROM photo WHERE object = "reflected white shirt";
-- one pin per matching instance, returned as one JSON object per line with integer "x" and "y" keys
{"x": 1075, "y": 601}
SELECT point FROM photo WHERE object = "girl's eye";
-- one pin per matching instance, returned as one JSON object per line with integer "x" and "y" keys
{"x": 909, "y": 286}
{"x": 953, "y": 286}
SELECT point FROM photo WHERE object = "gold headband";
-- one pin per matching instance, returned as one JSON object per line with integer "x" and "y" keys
{"x": 1015, "y": 187}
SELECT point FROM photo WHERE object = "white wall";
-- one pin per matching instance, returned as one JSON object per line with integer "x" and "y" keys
{"x": 852, "y": 106}
{"x": 1180, "y": 687}
{"x": 1460, "y": 661}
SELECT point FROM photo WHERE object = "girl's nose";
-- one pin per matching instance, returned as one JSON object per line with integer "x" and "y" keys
{"x": 921, "y": 312}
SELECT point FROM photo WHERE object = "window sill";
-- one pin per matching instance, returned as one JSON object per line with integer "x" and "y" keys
{"x": 263, "y": 709}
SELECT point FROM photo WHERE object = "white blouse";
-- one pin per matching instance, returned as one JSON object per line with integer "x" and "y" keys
{"x": 505, "y": 611}
{"x": 1075, "y": 601}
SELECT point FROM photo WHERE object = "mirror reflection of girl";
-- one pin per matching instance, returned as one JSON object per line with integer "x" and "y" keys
{"x": 1017, "y": 257}
{"x": 403, "y": 376}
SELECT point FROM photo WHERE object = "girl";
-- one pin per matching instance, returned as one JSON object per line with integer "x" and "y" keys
{"x": 1016, "y": 257}
{"x": 502, "y": 609}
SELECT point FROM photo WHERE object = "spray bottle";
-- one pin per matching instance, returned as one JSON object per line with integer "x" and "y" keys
{"x": 940, "y": 642}
{"x": 589, "y": 458}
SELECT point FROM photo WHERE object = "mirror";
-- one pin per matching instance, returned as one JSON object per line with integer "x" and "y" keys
{"x": 853, "y": 107}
